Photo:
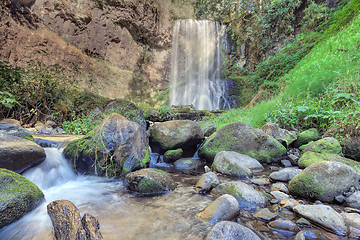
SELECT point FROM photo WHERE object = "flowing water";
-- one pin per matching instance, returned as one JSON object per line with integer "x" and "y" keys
{"x": 121, "y": 215}
{"x": 196, "y": 65}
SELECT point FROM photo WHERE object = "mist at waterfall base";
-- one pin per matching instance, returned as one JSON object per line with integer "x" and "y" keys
{"x": 121, "y": 215}
{"x": 197, "y": 63}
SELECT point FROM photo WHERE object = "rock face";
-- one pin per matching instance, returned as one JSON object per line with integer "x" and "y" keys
{"x": 324, "y": 181}
{"x": 226, "y": 230}
{"x": 307, "y": 136}
{"x": 113, "y": 142}
{"x": 235, "y": 164}
{"x": 67, "y": 223}
{"x": 247, "y": 196}
{"x": 223, "y": 208}
{"x": 175, "y": 134}
{"x": 18, "y": 154}
{"x": 149, "y": 181}
{"x": 324, "y": 215}
{"x": 207, "y": 182}
{"x": 325, "y": 145}
{"x": 18, "y": 196}
{"x": 9, "y": 124}
{"x": 241, "y": 138}
{"x": 284, "y": 136}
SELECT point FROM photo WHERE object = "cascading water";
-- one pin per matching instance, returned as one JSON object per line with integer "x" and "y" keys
{"x": 196, "y": 65}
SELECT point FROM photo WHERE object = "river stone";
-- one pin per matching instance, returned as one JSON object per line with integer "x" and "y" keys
{"x": 241, "y": 138}
{"x": 284, "y": 224}
{"x": 353, "y": 200}
{"x": 226, "y": 230}
{"x": 209, "y": 130}
{"x": 18, "y": 154}
{"x": 279, "y": 187}
{"x": 325, "y": 145}
{"x": 91, "y": 227}
{"x": 309, "y": 158}
{"x": 246, "y": 195}
{"x": 285, "y": 174}
{"x": 175, "y": 134}
{"x": 172, "y": 155}
{"x": 105, "y": 149}
{"x": 324, "y": 181}
{"x": 207, "y": 182}
{"x": 9, "y": 124}
{"x": 187, "y": 163}
{"x": 307, "y": 136}
{"x": 323, "y": 215}
{"x": 351, "y": 219}
{"x": 284, "y": 136}
{"x": 224, "y": 207}
{"x": 279, "y": 195}
{"x": 18, "y": 196}
{"x": 260, "y": 181}
{"x": 149, "y": 181}
{"x": 265, "y": 214}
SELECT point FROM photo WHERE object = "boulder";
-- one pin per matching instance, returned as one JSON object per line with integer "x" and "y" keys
{"x": 284, "y": 136}
{"x": 246, "y": 195}
{"x": 172, "y": 155}
{"x": 309, "y": 158}
{"x": 226, "y": 230}
{"x": 324, "y": 181}
{"x": 285, "y": 174}
{"x": 105, "y": 149}
{"x": 323, "y": 215}
{"x": 18, "y": 154}
{"x": 187, "y": 164}
{"x": 353, "y": 200}
{"x": 175, "y": 134}
{"x": 265, "y": 214}
{"x": 241, "y": 138}
{"x": 209, "y": 130}
{"x": 284, "y": 224}
{"x": 206, "y": 182}
{"x": 351, "y": 147}
{"x": 9, "y": 124}
{"x": 149, "y": 181}
{"x": 325, "y": 145}
{"x": 91, "y": 227}
{"x": 307, "y": 136}
{"x": 225, "y": 207}
{"x": 279, "y": 195}
{"x": 18, "y": 196}
{"x": 279, "y": 187}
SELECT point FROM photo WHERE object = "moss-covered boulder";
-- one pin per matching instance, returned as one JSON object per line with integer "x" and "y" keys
{"x": 240, "y": 137}
{"x": 324, "y": 181}
{"x": 284, "y": 136}
{"x": 18, "y": 196}
{"x": 175, "y": 134}
{"x": 18, "y": 154}
{"x": 173, "y": 155}
{"x": 104, "y": 150}
{"x": 209, "y": 130}
{"x": 23, "y": 135}
{"x": 307, "y": 136}
{"x": 309, "y": 158}
{"x": 149, "y": 181}
{"x": 226, "y": 230}
{"x": 325, "y": 145}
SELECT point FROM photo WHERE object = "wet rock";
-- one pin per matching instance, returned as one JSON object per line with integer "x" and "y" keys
{"x": 285, "y": 174}
{"x": 279, "y": 195}
{"x": 279, "y": 187}
{"x": 241, "y": 138}
{"x": 18, "y": 154}
{"x": 265, "y": 214}
{"x": 353, "y": 200}
{"x": 235, "y": 164}
{"x": 9, "y": 124}
{"x": 325, "y": 145}
{"x": 209, "y": 130}
{"x": 284, "y": 136}
{"x": 187, "y": 164}
{"x": 18, "y": 196}
{"x": 175, "y": 134}
{"x": 340, "y": 198}
{"x": 323, "y": 215}
{"x": 284, "y": 224}
{"x": 224, "y": 207}
{"x": 309, "y": 158}
{"x": 307, "y": 136}
{"x": 226, "y": 230}
{"x": 324, "y": 181}
{"x": 260, "y": 181}
{"x": 302, "y": 222}
{"x": 23, "y": 135}
{"x": 289, "y": 203}
{"x": 91, "y": 227}
{"x": 207, "y": 182}
{"x": 173, "y": 155}
{"x": 247, "y": 196}
{"x": 286, "y": 163}
{"x": 149, "y": 181}
{"x": 351, "y": 219}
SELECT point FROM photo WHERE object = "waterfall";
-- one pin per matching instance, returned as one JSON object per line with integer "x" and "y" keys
{"x": 196, "y": 65}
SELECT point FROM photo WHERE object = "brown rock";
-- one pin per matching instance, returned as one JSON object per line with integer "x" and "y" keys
{"x": 9, "y": 124}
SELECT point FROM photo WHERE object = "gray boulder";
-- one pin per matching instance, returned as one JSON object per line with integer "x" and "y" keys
{"x": 284, "y": 136}
{"x": 9, "y": 124}
{"x": 353, "y": 200}
{"x": 224, "y": 207}
{"x": 206, "y": 182}
{"x": 209, "y": 130}
{"x": 285, "y": 174}
{"x": 226, "y": 230}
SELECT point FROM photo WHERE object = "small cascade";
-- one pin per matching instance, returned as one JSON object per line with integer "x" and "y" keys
{"x": 196, "y": 65}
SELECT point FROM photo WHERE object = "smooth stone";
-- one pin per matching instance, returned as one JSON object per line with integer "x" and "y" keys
{"x": 340, "y": 198}
{"x": 351, "y": 219}
{"x": 284, "y": 224}
{"x": 187, "y": 163}
{"x": 279, "y": 186}
{"x": 307, "y": 136}
{"x": 300, "y": 236}
{"x": 323, "y": 215}
{"x": 260, "y": 181}
{"x": 172, "y": 155}
{"x": 289, "y": 203}
{"x": 285, "y": 174}
{"x": 279, "y": 195}
{"x": 223, "y": 208}
{"x": 265, "y": 214}
{"x": 286, "y": 163}
{"x": 226, "y": 230}
{"x": 9, "y": 124}
{"x": 206, "y": 182}
{"x": 353, "y": 200}
{"x": 284, "y": 136}
{"x": 302, "y": 222}
{"x": 352, "y": 210}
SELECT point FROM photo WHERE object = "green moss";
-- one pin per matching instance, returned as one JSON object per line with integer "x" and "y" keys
{"x": 305, "y": 185}
{"x": 307, "y": 136}
{"x": 24, "y": 135}
{"x": 326, "y": 146}
{"x": 146, "y": 158}
{"x": 173, "y": 155}
{"x": 149, "y": 186}
{"x": 159, "y": 171}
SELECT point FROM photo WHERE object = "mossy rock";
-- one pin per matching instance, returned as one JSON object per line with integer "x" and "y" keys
{"x": 173, "y": 155}
{"x": 149, "y": 181}
{"x": 18, "y": 196}
{"x": 325, "y": 145}
{"x": 309, "y": 158}
{"x": 24, "y": 135}
{"x": 241, "y": 138}
{"x": 324, "y": 181}
{"x": 307, "y": 136}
